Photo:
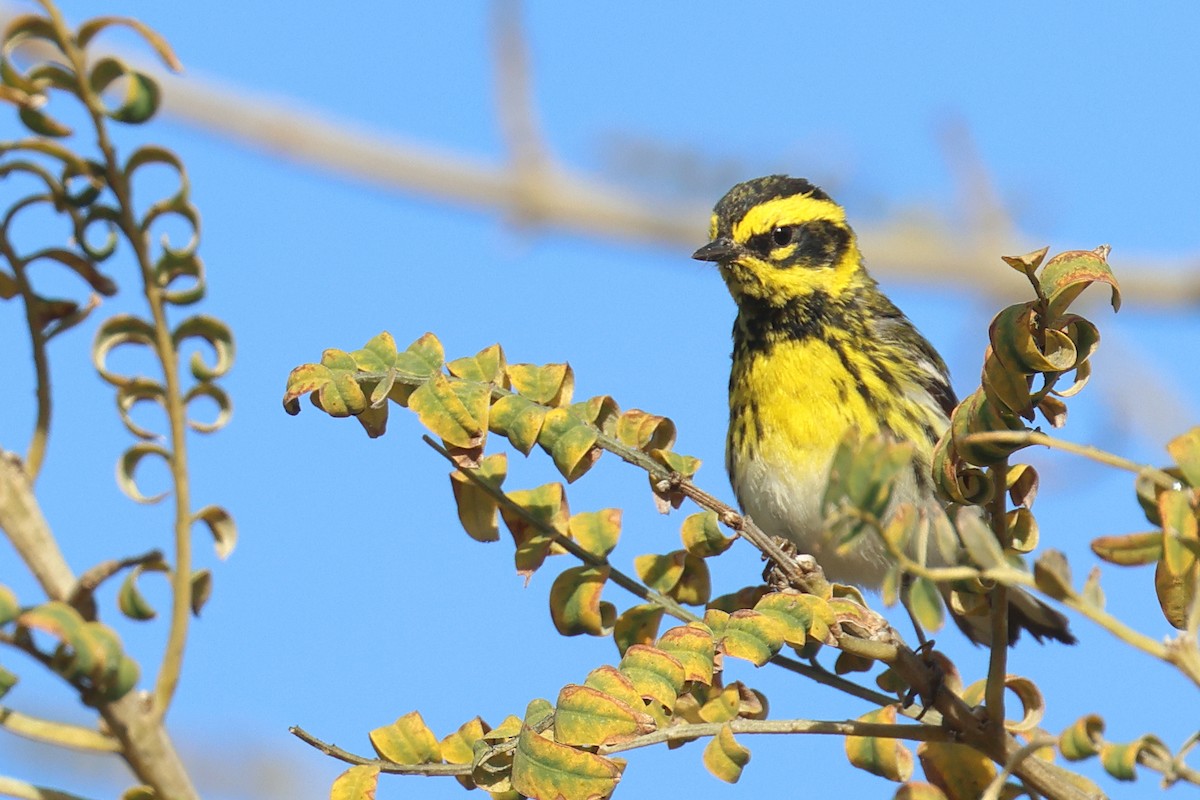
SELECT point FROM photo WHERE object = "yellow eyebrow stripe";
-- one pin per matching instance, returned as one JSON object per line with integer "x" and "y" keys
{"x": 793, "y": 210}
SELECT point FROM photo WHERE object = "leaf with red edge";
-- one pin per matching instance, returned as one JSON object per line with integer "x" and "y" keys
{"x": 546, "y": 770}
{"x": 637, "y": 625}
{"x": 694, "y": 648}
{"x": 1068, "y": 274}
{"x": 356, "y": 783}
{"x": 656, "y": 674}
{"x": 549, "y": 385}
{"x": 586, "y": 716}
{"x": 575, "y": 604}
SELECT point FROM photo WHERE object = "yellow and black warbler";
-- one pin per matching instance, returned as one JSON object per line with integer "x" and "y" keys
{"x": 819, "y": 350}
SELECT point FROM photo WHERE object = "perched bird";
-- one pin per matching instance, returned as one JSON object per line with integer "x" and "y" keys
{"x": 817, "y": 350}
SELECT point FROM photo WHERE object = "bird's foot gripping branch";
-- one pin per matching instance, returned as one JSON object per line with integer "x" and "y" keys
{"x": 675, "y": 685}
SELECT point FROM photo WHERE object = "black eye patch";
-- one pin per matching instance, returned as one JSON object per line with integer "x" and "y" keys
{"x": 817, "y": 244}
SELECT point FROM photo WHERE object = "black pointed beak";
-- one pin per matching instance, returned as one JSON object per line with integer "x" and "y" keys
{"x": 720, "y": 250}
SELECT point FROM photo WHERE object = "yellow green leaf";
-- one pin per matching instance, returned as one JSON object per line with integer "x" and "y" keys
{"x": 721, "y": 705}
{"x": 459, "y": 747}
{"x": 127, "y": 469}
{"x": 1007, "y": 385}
{"x": 1130, "y": 549}
{"x": 676, "y": 462}
{"x": 745, "y": 597}
{"x": 407, "y": 741}
{"x": 601, "y": 411}
{"x": 926, "y": 604}
{"x": 334, "y": 381}
{"x": 1119, "y": 760}
{"x": 9, "y": 608}
{"x": 660, "y": 572}
{"x": 847, "y": 663}
{"x": 129, "y": 598}
{"x": 519, "y": 420}
{"x": 702, "y": 535}
{"x": 794, "y": 613}
{"x": 979, "y": 539}
{"x": 611, "y": 681}
{"x": 546, "y": 505}
{"x": 1068, "y": 274}
{"x": 919, "y": 790}
{"x": 509, "y": 728}
{"x": 457, "y": 412}
{"x": 693, "y": 648}
{"x": 695, "y": 584}
{"x": 724, "y": 757}
{"x": 575, "y": 604}
{"x": 637, "y": 625}
{"x": 218, "y": 336}
{"x": 961, "y": 772}
{"x": 1082, "y": 740}
{"x": 378, "y": 354}
{"x": 1176, "y": 593}
{"x": 356, "y": 783}
{"x": 597, "y": 531}
{"x": 222, "y": 527}
{"x": 587, "y": 716}
{"x": 886, "y": 758}
{"x": 1023, "y": 530}
{"x": 570, "y": 443}
{"x": 1033, "y": 705}
{"x": 140, "y": 793}
{"x": 422, "y": 358}
{"x": 546, "y": 770}
{"x": 1027, "y": 264}
{"x": 1185, "y": 450}
{"x": 201, "y": 586}
{"x": 645, "y": 431}
{"x": 487, "y": 366}
{"x": 476, "y": 508}
{"x": 1092, "y": 593}
{"x": 656, "y": 674}
{"x": 1052, "y": 575}
{"x": 550, "y": 385}
{"x": 752, "y": 636}
{"x": 1181, "y": 535}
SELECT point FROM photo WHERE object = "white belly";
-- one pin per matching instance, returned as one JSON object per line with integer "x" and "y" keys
{"x": 783, "y": 502}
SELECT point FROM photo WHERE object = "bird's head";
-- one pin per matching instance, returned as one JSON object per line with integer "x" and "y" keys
{"x": 778, "y": 239}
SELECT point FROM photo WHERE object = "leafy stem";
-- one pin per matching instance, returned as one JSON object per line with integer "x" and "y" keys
{"x": 168, "y": 357}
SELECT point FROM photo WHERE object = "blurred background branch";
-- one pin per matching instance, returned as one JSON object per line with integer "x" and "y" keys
{"x": 534, "y": 191}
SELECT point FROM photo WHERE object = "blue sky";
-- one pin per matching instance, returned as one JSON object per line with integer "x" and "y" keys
{"x": 354, "y": 596}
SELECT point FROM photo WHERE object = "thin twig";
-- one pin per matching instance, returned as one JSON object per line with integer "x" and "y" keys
{"x": 851, "y": 727}
{"x": 384, "y": 765}
{"x": 618, "y": 577}
{"x": 1094, "y": 453}
{"x": 57, "y": 733}
{"x": 998, "y": 655}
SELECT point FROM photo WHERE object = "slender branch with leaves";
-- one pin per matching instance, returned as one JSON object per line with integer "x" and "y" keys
{"x": 670, "y": 686}
{"x": 83, "y": 178}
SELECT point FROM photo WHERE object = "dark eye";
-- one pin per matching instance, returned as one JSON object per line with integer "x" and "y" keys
{"x": 782, "y": 235}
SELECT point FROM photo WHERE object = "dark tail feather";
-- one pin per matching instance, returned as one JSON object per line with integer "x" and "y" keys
{"x": 1025, "y": 612}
